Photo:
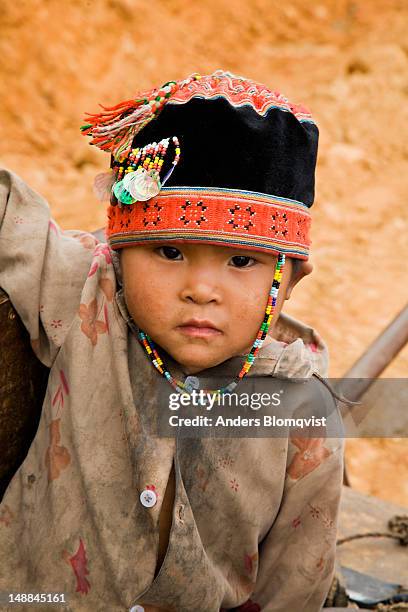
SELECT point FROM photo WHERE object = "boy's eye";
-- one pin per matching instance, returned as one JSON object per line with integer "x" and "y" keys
{"x": 170, "y": 252}
{"x": 242, "y": 261}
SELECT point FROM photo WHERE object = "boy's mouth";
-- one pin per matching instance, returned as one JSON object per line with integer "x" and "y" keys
{"x": 199, "y": 328}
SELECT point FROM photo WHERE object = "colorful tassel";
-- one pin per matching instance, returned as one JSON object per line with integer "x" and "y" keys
{"x": 115, "y": 128}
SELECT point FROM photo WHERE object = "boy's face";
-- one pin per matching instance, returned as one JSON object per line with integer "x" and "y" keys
{"x": 202, "y": 303}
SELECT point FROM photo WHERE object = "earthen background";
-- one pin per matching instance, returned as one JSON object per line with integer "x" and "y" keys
{"x": 347, "y": 61}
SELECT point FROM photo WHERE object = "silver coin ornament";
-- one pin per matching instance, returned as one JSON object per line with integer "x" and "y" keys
{"x": 192, "y": 383}
{"x": 142, "y": 184}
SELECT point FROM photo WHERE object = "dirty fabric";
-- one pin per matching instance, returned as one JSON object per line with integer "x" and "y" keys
{"x": 254, "y": 519}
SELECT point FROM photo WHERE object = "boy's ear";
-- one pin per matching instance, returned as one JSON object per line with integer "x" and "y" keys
{"x": 300, "y": 269}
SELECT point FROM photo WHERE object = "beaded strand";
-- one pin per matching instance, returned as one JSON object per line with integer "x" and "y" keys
{"x": 180, "y": 386}
{"x": 147, "y": 160}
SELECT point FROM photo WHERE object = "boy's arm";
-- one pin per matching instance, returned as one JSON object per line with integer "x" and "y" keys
{"x": 42, "y": 268}
{"x": 296, "y": 558}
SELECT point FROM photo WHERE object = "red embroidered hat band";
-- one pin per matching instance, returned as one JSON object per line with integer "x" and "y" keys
{"x": 228, "y": 217}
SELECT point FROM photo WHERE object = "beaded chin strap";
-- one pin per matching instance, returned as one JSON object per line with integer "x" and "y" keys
{"x": 180, "y": 386}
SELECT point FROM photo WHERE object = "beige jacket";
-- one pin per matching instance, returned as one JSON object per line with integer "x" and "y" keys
{"x": 254, "y": 519}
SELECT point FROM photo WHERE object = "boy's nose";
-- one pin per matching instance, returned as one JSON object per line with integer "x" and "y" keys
{"x": 201, "y": 292}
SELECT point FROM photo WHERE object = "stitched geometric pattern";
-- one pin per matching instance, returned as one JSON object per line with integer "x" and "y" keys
{"x": 241, "y": 217}
{"x": 151, "y": 213}
{"x": 228, "y": 217}
{"x": 279, "y": 224}
{"x": 301, "y": 230}
{"x": 193, "y": 212}
{"x": 125, "y": 220}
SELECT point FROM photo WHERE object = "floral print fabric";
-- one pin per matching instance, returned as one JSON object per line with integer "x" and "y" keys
{"x": 254, "y": 520}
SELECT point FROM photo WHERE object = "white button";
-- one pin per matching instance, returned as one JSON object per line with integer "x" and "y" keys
{"x": 136, "y": 609}
{"x": 148, "y": 498}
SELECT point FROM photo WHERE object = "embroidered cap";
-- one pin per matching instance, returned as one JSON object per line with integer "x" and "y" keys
{"x": 215, "y": 159}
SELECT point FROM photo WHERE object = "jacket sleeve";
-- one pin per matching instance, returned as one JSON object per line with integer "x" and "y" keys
{"x": 42, "y": 268}
{"x": 297, "y": 556}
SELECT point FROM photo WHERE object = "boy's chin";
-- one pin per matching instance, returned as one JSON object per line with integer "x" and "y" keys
{"x": 192, "y": 363}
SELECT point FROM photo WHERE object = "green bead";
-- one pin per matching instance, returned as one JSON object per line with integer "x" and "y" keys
{"x": 122, "y": 194}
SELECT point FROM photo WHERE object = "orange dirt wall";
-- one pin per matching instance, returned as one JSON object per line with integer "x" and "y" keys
{"x": 345, "y": 60}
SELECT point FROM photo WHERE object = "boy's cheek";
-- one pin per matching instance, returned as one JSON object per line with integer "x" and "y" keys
{"x": 148, "y": 314}
{"x": 134, "y": 304}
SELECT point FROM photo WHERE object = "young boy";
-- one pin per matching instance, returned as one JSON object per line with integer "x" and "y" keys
{"x": 211, "y": 183}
